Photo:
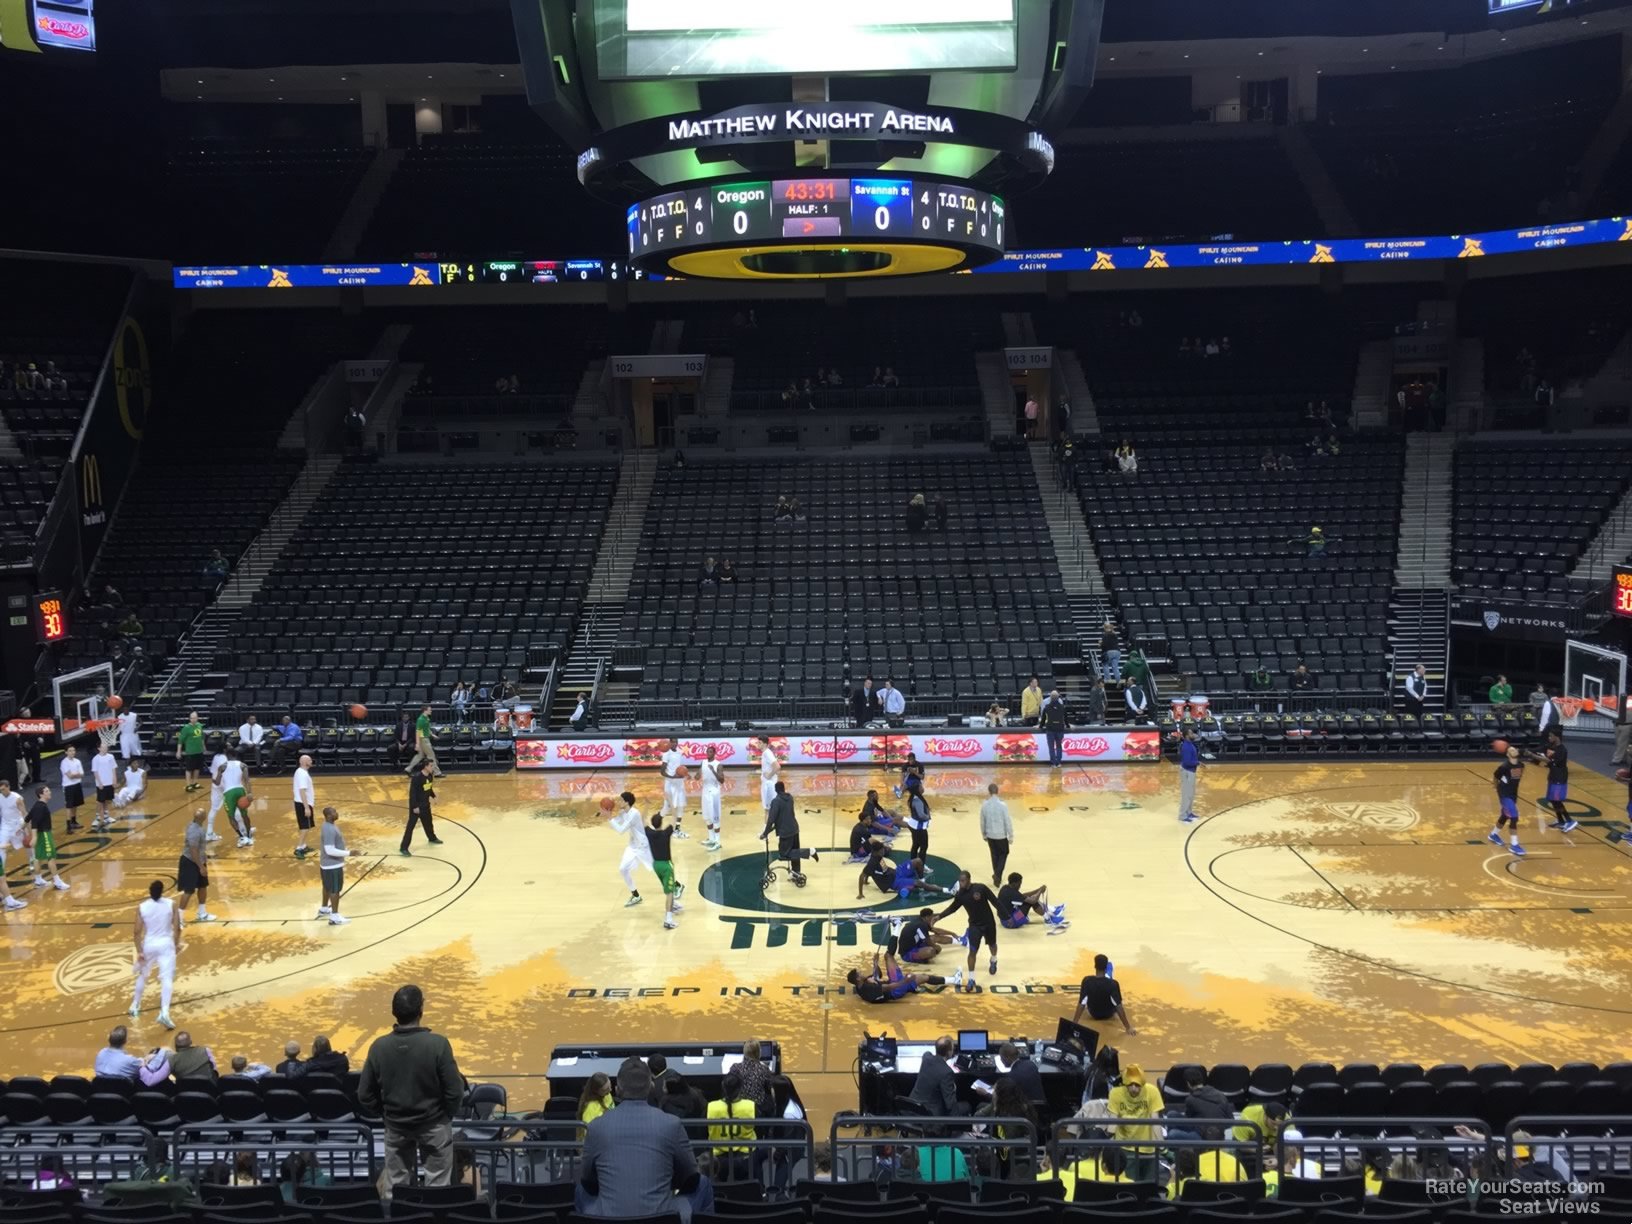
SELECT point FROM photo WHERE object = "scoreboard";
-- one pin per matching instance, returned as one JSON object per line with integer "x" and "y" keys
{"x": 1620, "y": 591}
{"x": 792, "y": 211}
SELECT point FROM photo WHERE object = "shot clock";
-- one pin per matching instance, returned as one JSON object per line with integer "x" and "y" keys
{"x": 50, "y": 618}
{"x": 1620, "y": 591}
{"x": 806, "y": 214}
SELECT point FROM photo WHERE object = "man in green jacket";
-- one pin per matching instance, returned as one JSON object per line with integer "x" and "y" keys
{"x": 1501, "y": 693}
{"x": 410, "y": 1080}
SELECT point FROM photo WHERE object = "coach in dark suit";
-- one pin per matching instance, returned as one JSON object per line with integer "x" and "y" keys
{"x": 636, "y": 1158}
{"x": 936, "y": 1087}
{"x": 864, "y": 703}
{"x": 1021, "y": 1070}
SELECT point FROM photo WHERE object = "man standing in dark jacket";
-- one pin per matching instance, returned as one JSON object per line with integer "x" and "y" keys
{"x": 780, "y": 816}
{"x": 864, "y": 703}
{"x": 1055, "y": 719}
{"x": 420, "y": 794}
{"x": 410, "y": 1079}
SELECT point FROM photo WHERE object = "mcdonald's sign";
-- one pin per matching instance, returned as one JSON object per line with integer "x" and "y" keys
{"x": 93, "y": 511}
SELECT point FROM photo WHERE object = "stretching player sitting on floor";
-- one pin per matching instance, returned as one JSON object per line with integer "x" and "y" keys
{"x": 903, "y": 878}
{"x": 888, "y": 984}
{"x": 918, "y": 941}
{"x": 882, "y": 821}
{"x": 1015, "y": 908}
{"x": 871, "y": 823}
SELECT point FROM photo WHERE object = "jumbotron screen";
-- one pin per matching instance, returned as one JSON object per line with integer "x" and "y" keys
{"x": 648, "y": 39}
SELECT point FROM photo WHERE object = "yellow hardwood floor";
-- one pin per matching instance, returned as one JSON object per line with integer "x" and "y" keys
{"x": 1343, "y": 911}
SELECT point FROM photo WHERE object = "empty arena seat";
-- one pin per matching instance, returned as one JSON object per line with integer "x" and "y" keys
{"x": 969, "y": 611}
{"x": 1524, "y": 514}
{"x": 504, "y": 556}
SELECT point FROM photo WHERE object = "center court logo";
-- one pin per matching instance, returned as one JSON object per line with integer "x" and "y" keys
{"x": 736, "y": 883}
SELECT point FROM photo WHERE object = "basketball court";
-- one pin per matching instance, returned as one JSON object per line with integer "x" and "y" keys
{"x": 1346, "y": 911}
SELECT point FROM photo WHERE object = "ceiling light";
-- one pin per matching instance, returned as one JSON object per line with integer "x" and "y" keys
{"x": 1260, "y": 54}
{"x": 1186, "y": 56}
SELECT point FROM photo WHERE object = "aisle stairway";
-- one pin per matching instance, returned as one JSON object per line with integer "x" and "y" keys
{"x": 1085, "y": 590}
{"x": 250, "y": 572}
{"x": 592, "y": 641}
{"x": 1423, "y": 555}
{"x": 1419, "y": 631}
{"x": 596, "y": 632}
{"x": 996, "y": 394}
{"x": 1084, "y": 416}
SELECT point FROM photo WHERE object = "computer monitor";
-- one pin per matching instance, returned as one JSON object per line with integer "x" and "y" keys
{"x": 1077, "y": 1034}
{"x": 972, "y": 1041}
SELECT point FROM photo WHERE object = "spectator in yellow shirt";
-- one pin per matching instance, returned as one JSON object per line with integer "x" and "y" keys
{"x": 596, "y": 1098}
{"x": 730, "y": 1160}
{"x": 1109, "y": 1166}
{"x": 1270, "y": 1117}
{"x": 1031, "y": 703}
{"x": 1134, "y": 1098}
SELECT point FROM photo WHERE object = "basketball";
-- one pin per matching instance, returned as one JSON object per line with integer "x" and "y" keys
{"x": 683, "y": 772}
{"x": 1623, "y": 775}
{"x": 1500, "y": 746}
{"x": 243, "y": 803}
{"x": 116, "y": 702}
{"x": 608, "y": 806}
{"x": 359, "y": 711}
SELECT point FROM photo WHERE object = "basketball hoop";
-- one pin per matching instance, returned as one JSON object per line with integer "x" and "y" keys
{"x": 1569, "y": 707}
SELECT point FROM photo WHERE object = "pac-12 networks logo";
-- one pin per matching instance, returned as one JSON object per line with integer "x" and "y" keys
{"x": 593, "y": 753}
{"x": 77, "y": 30}
{"x": 829, "y": 750}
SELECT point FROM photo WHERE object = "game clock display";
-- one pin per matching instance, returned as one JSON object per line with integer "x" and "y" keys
{"x": 816, "y": 209}
{"x": 1620, "y": 591}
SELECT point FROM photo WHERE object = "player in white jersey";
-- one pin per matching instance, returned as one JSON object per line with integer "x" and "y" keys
{"x": 305, "y": 806}
{"x": 638, "y": 851}
{"x": 157, "y": 932}
{"x": 130, "y": 740}
{"x": 713, "y": 774}
{"x": 216, "y": 766}
{"x": 674, "y": 787}
{"x": 235, "y": 786}
{"x": 135, "y": 783}
{"x": 13, "y": 836}
{"x": 769, "y": 770}
{"x": 105, "y": 775}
